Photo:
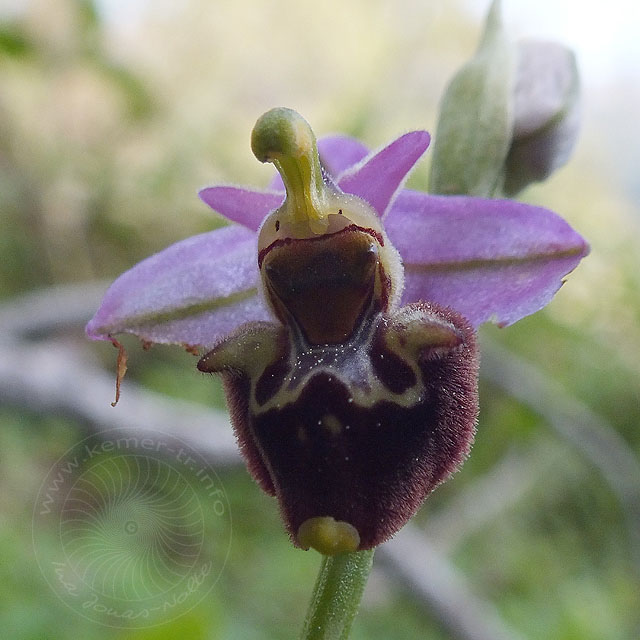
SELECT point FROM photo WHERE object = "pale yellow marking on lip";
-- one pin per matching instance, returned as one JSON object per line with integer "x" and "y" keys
{"x": 338, "y": 363}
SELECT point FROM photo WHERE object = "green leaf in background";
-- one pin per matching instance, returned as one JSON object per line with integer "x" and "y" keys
{"x": 14, "y": 42}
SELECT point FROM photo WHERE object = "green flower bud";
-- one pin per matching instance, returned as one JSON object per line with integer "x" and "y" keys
{"x": 476, "y": 120}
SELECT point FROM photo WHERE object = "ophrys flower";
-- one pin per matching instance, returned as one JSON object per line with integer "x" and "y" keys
{"x": 342, "y": 320}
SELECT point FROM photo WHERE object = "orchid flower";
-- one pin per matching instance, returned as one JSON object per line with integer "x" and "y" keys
{"x": 340, "y": 309}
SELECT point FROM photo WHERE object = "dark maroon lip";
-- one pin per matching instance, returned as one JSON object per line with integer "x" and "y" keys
{"x": 350, "y": 229}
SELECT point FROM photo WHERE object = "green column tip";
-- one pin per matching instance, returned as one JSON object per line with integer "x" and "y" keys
{"x": 281, "y": 133}
{"x": 283, "y": 137}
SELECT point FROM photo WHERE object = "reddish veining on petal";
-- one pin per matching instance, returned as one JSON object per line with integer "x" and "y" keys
{"x": 286, "y": 241}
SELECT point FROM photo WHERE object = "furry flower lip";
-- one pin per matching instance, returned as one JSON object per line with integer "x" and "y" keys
{"x": 340, "y": 310}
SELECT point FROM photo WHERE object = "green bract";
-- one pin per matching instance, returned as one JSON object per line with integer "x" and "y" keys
{"x": 476, "y": 118}
{"x": 509, "y": 117}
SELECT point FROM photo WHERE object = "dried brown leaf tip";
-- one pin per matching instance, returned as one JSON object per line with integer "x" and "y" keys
{"x": 192, "y": 349}
{"x": 121, "y": 368}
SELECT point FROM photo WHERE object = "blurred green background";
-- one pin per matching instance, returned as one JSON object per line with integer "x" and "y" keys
{"x": 112, "y": 115}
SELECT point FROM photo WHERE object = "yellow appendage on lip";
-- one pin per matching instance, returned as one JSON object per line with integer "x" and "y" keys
{"x": 328, "y": 536}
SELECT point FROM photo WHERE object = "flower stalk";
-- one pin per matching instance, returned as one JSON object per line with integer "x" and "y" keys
{"x": 336, "y": 595}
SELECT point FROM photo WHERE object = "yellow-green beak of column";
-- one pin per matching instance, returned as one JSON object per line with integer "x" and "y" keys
{"x": 285, "y": 138}
{"x": 314, "y": 206}
{"x": 324, "y": 258}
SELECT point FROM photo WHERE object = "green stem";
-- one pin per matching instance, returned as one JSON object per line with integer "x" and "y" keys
{"x": 337, "y": 594}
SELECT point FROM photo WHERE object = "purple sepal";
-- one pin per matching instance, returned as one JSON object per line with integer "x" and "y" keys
{"x": 247, "y": 207}
{"x": 490, "y": 260}
{"x": 337, "y": 154}
{"x": 382, "y": 174}
{"x": 340, "y": 153}
{"x": 194, "y": 292}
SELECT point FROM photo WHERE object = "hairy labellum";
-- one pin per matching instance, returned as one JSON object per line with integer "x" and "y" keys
{"x": 350, "y": 411}
{"x": 359, "y": 431}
